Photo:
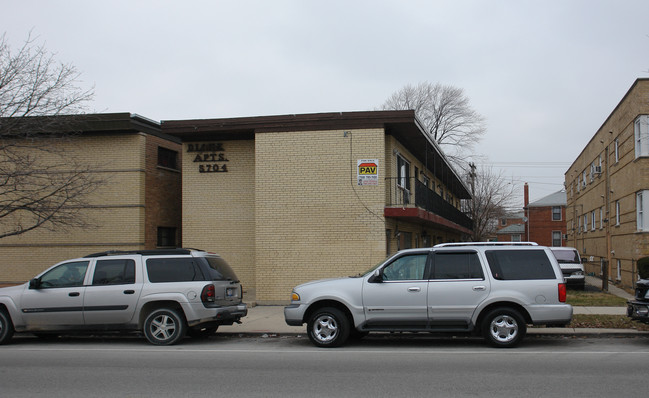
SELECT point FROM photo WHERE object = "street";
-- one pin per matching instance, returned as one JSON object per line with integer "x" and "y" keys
{"x": 290, "y": 366}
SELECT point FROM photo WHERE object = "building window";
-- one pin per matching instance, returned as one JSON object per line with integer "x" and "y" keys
{"x": 516, "y": 238}
{"x": 556, "y": 213}
{"x": 617, "y": 212}
{"x": 642, "y": 217}
{"x": 641, "y": 132}
{"x": 579, "y": 224}
{"x": 617, "y": 150}
{"x": 556, "y": 238}
{"x": 585, "y": 222}
{"x": 592, "y": 221}
{"x": 601, "y": 217}
{"x": 619, "y": 270}
{"x": 503, "y": 222}
{"x": 167, "y": 158}
{"x": 167, "y": 237}
{"x": 403, "y": 173}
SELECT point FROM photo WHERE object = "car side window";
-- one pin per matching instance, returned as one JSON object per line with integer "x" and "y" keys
{"x": 406, "y": 268}
{"x": 457, "y": 265}
{"x": 65, "y": 275}
{"x": 519, "y": 264}
{"x": 162, "y": 270}
{"x": 114, "y": 272}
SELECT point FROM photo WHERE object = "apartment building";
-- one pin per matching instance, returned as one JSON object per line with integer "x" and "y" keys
{"x": 136, "y": 207}
{"x": 608, "y": 192}
{"x": 288, "y": 199}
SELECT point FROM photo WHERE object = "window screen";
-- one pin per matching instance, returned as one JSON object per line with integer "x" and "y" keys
{"x": 519, "y": 264}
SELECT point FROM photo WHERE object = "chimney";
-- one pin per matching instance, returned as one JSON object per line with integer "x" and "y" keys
{"x": 526, "y": 195}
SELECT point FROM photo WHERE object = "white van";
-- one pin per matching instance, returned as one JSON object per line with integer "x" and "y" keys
{"x": 571, "y": 266}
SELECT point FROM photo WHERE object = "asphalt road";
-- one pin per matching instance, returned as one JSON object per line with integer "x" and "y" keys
{"x": 292, "y": 367}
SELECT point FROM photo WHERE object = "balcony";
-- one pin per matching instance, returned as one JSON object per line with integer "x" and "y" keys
{"x": 423, "y": 205}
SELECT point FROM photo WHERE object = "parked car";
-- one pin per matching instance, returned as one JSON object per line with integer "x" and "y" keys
{"x": 488, "y": 289}
{"x": 638, "y": 308}
{"x": 571, "y": 266}
{"x": 165, "y": 294}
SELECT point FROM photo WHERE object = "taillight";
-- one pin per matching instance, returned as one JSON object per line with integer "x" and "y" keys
{"x": 562, "y": 292}
{"x": 208, "y": 294}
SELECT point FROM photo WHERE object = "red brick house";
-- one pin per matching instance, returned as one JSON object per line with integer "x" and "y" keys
{"x": 546, "y": 219}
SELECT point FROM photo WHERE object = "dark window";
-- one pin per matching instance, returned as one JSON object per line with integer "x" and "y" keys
{"x": 406, "y": 268}
{"x": 556, "y": 213}
{"x": 167, "y": 158}
{"x": 457, "y": 266}
{"x": 114, "y": 272}
{"x": 219, "y": 269}
{"x": 403, "y": 173}
{"x": 519, "y": 264}
{"x": 173, "y": 270}
{"x": 167, "y": 237}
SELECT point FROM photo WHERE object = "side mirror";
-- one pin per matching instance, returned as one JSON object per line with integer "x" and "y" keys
{"x": 35, "y": 283}
{"x": 377, "y": 277}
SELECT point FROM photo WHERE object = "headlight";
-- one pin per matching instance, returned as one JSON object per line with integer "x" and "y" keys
{"x": 295, "y": 297}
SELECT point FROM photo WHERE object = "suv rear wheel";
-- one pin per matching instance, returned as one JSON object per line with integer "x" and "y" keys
{"x": 503, "y": 327}
{"x": 328, "y": 327}
{"x": 6, "y": 327}
{"x": 164, "y": 326}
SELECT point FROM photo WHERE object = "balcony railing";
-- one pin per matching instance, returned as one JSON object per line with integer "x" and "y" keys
{"x": 416, "y": 194}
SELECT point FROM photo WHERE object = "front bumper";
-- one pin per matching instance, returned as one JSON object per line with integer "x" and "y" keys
{"x": 294, "y": 314}
{"x": 638, "y": 311}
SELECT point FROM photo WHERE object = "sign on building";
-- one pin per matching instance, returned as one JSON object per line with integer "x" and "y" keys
{"x": 368, "y": 172}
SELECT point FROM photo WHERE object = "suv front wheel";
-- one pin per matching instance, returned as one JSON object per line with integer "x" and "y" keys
{"x": 164, "y": 326}
{"x": 328, "y": 327}
{"x": 503, "y": 327}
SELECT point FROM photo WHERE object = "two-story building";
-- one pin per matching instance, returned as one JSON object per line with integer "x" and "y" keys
{"x": 287, "y": 199}
{"x": 608, "y": 191}
{"x": 136, "y": 206}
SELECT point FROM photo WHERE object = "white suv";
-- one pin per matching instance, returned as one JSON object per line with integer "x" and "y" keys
{"x": 495, "y": 290}
{"x": 163, "y": 293}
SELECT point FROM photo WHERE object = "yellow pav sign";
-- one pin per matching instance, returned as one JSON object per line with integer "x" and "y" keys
{"x": 368, "y": 172}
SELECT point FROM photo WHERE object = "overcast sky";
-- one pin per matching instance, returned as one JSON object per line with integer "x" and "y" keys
{"x": 544, "y": 74}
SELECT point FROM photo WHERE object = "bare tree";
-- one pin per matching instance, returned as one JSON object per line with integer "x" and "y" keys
{"x": 446, "y": 114}
{"x": 39, "y": 185}
{"x": 492, "y": 197}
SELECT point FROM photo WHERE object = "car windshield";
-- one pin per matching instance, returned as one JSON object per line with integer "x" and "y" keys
{"x": 566, "y": 256}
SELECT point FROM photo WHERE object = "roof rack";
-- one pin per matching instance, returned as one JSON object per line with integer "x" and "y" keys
{"x": 487, "y": 244}
{"x": 149, "y": 252}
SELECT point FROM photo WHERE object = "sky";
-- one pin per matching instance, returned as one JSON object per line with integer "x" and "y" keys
{"x": 544, "y": 74}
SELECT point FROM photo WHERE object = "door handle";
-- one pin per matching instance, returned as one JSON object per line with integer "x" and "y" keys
{"x": 73, "y": 294}
{"x": 129, "y": 291}
{"x": 479, "y": 288}
{"x": 414, "y": 289}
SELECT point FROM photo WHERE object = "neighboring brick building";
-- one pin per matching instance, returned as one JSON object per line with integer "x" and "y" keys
{"x": 546, "y": 219}
{"x": 608, "y": 191}
{"x": 138, "y": 208}
{"x": 288, "y": 199}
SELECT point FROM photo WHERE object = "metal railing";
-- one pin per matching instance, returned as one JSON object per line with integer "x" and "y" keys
{"x": 414, "y": 193}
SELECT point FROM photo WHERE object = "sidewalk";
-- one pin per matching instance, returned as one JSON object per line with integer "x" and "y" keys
{"x": 269, "y": 320}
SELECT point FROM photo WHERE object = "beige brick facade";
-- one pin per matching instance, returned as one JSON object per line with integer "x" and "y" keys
{"x": 124, "y": 212}
{"x": 285, "y": 206}
{"x": 602, "y": 212}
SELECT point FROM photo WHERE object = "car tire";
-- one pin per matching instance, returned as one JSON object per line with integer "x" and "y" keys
{"x": 201, "y": 333}
{"x": 6, "y": 327}
{"x": 164, "y": 326}
{"x": 503, "y": 327}
{"x": 328, "y": 327}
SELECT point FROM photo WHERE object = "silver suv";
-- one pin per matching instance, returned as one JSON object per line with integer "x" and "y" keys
{"x": 495, "y": 290}
{"x": 166, "y": 294}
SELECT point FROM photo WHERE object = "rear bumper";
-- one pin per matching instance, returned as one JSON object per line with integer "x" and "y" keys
{"x": 221, "y": 315}
{"x": 554, "y": 314}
